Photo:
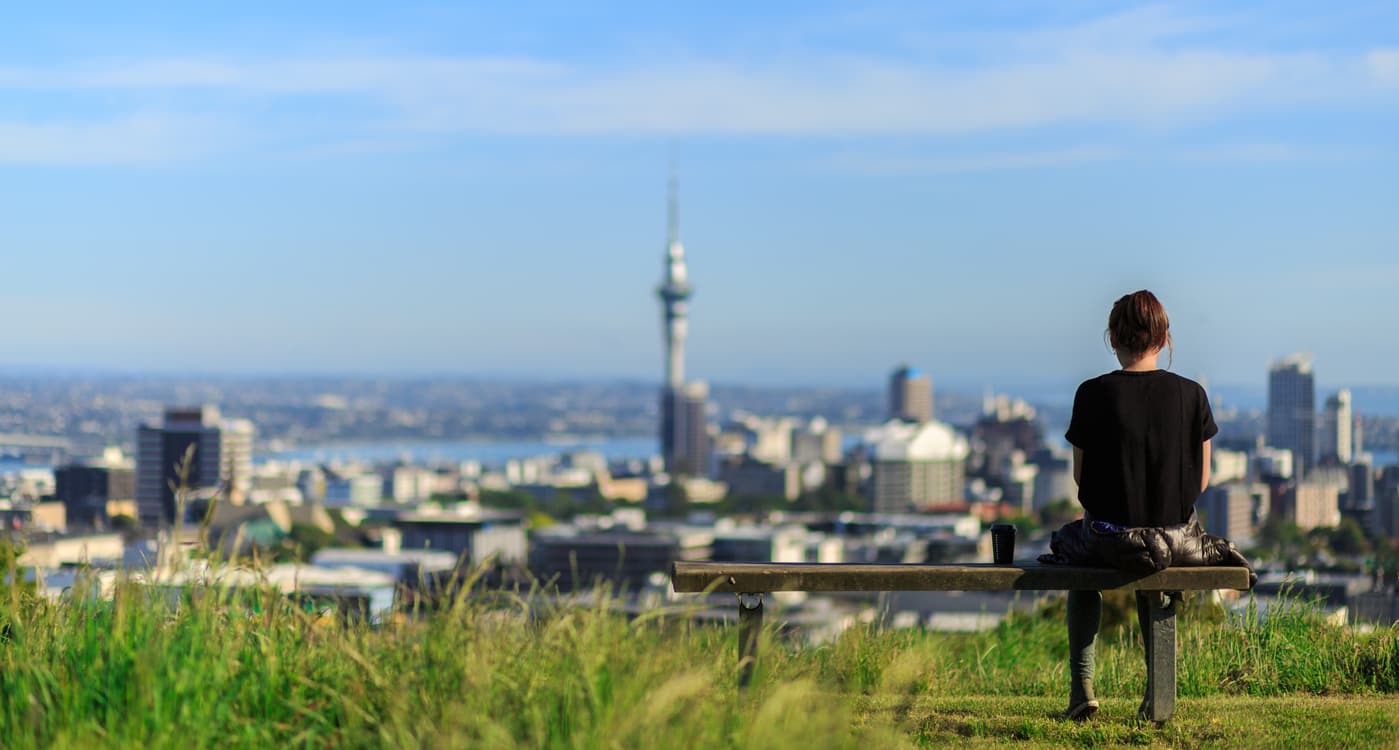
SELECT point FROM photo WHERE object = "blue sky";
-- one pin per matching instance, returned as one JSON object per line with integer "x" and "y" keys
{"x": 340, "y": 187}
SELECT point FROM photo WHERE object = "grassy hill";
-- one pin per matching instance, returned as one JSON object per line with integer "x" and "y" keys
{"x": 238, "y": 670}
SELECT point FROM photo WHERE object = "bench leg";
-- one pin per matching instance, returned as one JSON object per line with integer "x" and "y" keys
{"x": 1160, "y": 703}
{"x": 750, "y": 625}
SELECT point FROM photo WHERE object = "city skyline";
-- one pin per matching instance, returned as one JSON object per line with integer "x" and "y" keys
{"x": 481, "y": 190}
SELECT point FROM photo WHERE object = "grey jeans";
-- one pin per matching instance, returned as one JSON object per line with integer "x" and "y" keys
{"x": 1085, "y": 617}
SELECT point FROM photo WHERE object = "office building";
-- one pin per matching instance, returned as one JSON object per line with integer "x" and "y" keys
{"x": 1054, "y": 480}
{"x": 571, "y": 558}
{"x": 1360, "y": 498}
{"x": 351, "y": 487}
{"x": 85, "y": 490}
{"x": 1314, "y": 504}
{"x": 817, "y": 443}
{"x": 746, "y": 476}
{"x": 475, "y": 535}
{"x": 1267, "y": 463}
{"x": 1235, "y": 510}
{"x": 1292, "y": 410}
{"x": 910, "y": 395}
{"x": 220, "y": 453}
{"x": 1003, "y": 439}
{"x": 1385, "y": 520}
{"x": 688, "y": 449}
{"x": 1336, "y": 430}
{"x": 1227, "y": 465}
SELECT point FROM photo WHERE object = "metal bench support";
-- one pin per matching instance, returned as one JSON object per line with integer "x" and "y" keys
{"x": 1160, "y": 703}
{"x": 750, "y": 626}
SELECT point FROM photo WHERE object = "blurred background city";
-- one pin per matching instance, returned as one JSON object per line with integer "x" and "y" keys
{"x": 368, "y": 295}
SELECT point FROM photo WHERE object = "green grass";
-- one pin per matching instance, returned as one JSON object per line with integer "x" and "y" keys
{"x": 1231, "y": 721}
{"x": 226, "y": 671}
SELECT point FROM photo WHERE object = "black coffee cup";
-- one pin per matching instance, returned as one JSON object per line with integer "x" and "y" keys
{"x": 1002, "y": 543}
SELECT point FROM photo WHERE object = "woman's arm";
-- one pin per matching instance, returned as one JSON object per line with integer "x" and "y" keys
{"x": 1078, "y": 464}
{"x": 1204, "y": 467}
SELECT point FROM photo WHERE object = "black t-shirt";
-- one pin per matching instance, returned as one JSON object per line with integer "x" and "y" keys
{"x": 1142, "y": 435}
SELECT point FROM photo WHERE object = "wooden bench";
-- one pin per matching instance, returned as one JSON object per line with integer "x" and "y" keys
{"x": 751, "y": 580}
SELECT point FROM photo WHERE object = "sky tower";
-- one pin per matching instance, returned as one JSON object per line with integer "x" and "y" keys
{"x": 674, "y": 291}
{"x": 684, "y": 428}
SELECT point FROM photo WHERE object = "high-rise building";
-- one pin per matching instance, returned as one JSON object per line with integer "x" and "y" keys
{"x": 221, "y": 461}
{"x": 690, "y": 450}
{"x": 1360, "y": 490}
{"x": 1336, "y": 430}
{"x": 1292, "y": 410}
{"x": 1385, "y": 521}
{"x": 684, "y": 406}
{"x": 910, "y": 395}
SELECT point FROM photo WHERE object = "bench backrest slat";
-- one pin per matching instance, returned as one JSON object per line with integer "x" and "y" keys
{"x": 691, "y": 577}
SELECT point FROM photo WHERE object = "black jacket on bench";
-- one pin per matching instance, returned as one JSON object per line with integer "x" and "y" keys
{"x": 1142, "y": 549}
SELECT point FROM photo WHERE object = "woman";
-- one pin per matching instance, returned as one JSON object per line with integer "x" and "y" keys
{"x": 1141, "y": 446}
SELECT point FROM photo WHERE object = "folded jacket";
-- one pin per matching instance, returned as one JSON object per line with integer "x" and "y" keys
{"x": 1142, "y": 549}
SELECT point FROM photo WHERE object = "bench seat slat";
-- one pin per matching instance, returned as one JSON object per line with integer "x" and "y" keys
{"x": 691, "y": 577}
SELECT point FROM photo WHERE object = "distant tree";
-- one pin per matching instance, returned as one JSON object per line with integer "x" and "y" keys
{"x": 752, "y": 504}
{"x": 1280, "y": 539}
{"x": 1348, "y": 538}
{"x": 828, "y": 500}
{"x": 302, "y": 541}
{"x": 1059, "y": 512}
{"x": 508, "y": 500}
{"x": 677, "y": 501}
{"x": 1025, "y": 524}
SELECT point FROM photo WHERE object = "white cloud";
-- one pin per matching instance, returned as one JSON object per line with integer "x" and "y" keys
{"x": 981, "y": 162}
{"x": 818, "y": 95}
{"x": 1384, "y": 65}
{"x": 123, "y": 140}
{"x": 1269, "y": 153}
{"x": 1143, "y": 68}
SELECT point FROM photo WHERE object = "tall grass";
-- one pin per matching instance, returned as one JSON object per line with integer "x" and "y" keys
{"x": 248, "y": 669}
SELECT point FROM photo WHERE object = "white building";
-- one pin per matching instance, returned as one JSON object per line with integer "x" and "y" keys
{"x": 1228, "y": 466}
{"x": 348, "y": 487}
{"x": 916, "y": 465}
{"x": 1336, "y": 430}
{"x": 1314, "y": 504}
{"x": 1271, "y": 462}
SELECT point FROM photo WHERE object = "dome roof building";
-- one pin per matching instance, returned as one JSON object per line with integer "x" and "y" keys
{"x": 916, "y": 465}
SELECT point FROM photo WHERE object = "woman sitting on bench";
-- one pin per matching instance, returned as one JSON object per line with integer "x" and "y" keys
{"x": 1141, "y": 447}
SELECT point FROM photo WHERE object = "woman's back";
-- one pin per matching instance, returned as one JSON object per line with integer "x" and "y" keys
{"x": 1142, "y": 435}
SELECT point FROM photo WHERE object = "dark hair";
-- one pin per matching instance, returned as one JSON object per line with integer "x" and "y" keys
{"x": 1138, "y": 324}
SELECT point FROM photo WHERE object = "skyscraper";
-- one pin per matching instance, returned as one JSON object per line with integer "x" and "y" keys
{"x": 1336, "y": 430}
{"x": 684, "y": 430}
{"x": 910, "y": 395}
{"x": 222, "y": 460}
{"x": 1292, "y": 410}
